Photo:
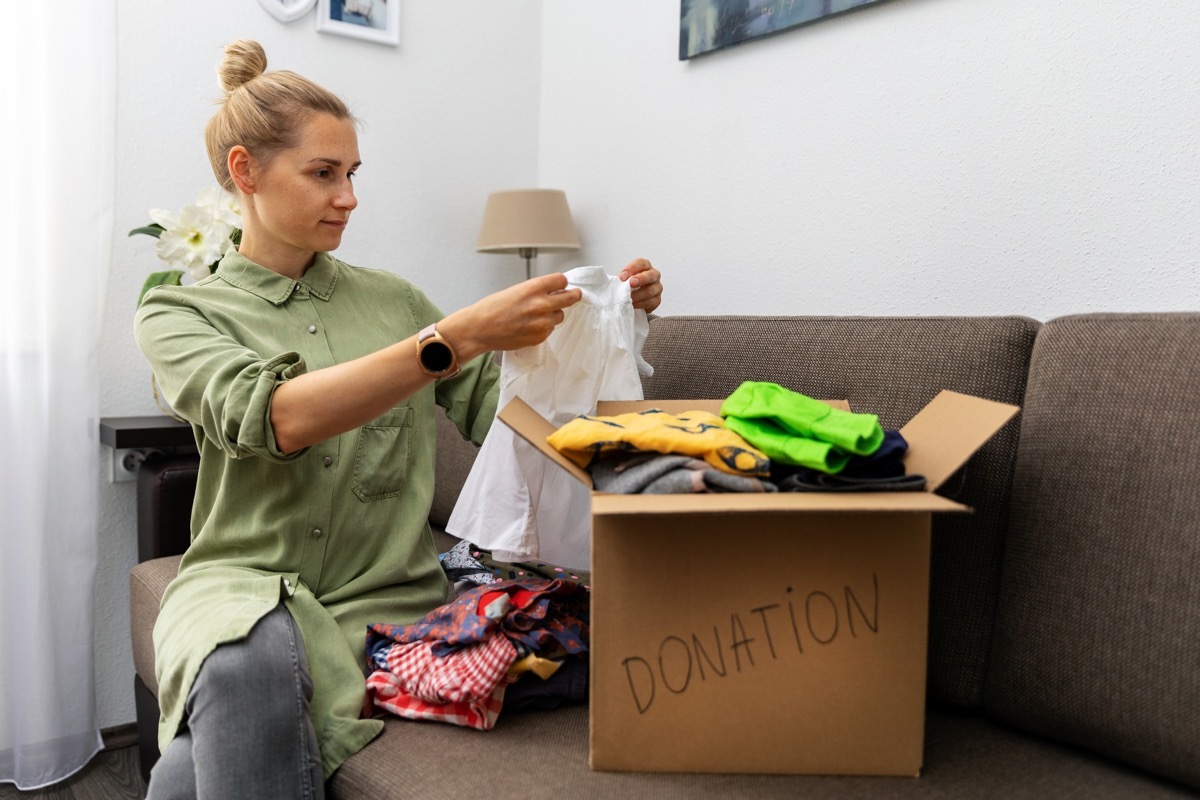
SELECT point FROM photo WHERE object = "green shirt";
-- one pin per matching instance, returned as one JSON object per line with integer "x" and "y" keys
{"x": 337, "y": 531}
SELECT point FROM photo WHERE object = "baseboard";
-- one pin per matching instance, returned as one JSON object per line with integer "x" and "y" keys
{"x": 119, "y": 736}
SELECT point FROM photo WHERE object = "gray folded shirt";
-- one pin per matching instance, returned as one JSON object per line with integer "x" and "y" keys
{"x": 654, "y": 473}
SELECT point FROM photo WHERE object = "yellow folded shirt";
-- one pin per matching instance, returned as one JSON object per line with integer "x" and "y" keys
{"x": 692, "y": 433}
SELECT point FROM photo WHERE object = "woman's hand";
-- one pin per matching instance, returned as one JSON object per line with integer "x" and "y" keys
{"x": 520, "y": 316}
{"x": 646, "y": 283}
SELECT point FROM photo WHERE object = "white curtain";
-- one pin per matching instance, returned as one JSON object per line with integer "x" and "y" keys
{"x": 57, "y": 118}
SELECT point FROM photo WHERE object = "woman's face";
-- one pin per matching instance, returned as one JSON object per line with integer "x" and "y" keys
{"x": 303, "y": 198}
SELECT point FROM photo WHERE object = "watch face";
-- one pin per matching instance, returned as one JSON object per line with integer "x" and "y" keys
{"x": 436, "y": 357}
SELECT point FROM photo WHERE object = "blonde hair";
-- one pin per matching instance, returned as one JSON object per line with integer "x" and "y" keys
{"x": 262, "y": 111}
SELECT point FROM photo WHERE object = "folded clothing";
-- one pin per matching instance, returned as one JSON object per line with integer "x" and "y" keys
{"x": 786, "y": 448}
{"x": 812, "y": 480}
{"x": 386, "y": 691}
{"x": 792, "y": 428}
{"x": 881, "y": 471}
{"x": 885, "y": 462}
{"x": 464, "y": 688}
{"x": 455, "y": 663}
{"x": 654, "y": 473}
{"x": 537, "y": 613}
{"x": 692, "y": 433}
{"x": 568, "y": 684}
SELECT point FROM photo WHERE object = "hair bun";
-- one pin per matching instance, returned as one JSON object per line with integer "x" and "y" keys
{"x": 244, "y": 61}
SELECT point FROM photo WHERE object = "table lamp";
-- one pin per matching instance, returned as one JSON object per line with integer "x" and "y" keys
{"x": 524, "y": 221}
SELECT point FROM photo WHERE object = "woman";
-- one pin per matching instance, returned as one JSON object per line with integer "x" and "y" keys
{"x": 311, "y": 386}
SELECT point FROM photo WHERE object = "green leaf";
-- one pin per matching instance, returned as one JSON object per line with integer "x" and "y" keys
{"x": 153, "y": 229}
{"x": 169, "y": 278}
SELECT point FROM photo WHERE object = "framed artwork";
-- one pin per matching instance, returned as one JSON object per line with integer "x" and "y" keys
{"x": 707, "y": 25}
{"x": 373, "y": 20}
{"x": 287, "y": 10}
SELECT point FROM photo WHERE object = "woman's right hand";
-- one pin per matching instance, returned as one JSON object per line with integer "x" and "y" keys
{"x": 520, "y": 316}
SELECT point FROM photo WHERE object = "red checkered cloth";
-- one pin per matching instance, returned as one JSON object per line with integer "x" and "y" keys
{"x": 464, "y": 688}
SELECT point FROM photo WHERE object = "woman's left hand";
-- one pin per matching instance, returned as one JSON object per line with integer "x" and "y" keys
{"x": 646, "y": 283}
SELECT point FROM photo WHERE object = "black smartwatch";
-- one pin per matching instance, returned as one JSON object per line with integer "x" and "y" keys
{"x": 435, "y": 355}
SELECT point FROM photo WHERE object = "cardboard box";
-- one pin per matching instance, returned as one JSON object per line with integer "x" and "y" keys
{"x": 773, "y": 633}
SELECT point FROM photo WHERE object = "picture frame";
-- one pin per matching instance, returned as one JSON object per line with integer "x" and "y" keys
{"x": 709, "y": 25}
{"x": 371, "y": 20}
{"x": 287, "y": 10}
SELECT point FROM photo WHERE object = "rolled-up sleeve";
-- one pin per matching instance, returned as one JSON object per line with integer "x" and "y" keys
{"x": 211, "y": 379}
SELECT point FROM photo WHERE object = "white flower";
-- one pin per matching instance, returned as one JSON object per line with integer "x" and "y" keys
{"x": 193, "y": 239}
{"x": 221, "y": 204}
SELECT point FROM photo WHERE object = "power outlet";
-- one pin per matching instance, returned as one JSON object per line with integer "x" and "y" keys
{"x": 125, "y": 464}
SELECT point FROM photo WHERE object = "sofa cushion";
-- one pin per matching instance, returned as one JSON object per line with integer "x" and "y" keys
{"x": 1097, "y": 634}
{"x": 544, "y": 754}
{"x": 890, "y": 367}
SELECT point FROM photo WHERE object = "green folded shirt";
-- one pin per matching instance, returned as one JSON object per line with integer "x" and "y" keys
{"x": 784, "y": 448}
{"x": 792, "y": 428}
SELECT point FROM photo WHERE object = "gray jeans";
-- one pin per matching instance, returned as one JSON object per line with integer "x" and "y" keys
{"x": 248, "y": 733}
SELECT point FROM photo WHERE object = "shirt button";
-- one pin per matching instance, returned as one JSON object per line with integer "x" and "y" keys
{"x": 316, "y": 533}
{"x": 287, "y": 583}
{"x": 312, "y": 328}
{"x": 327, "y": 461}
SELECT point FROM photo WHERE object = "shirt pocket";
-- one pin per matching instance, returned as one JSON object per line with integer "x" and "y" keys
{"x": 384, "y": 455}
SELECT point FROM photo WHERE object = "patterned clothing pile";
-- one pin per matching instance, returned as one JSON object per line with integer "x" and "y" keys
{"x": 454, "y": 664}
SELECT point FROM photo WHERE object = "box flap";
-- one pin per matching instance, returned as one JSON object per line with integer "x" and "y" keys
{"x": 534, "y": 428}
{"x": 604, "y": 504}
{"x": 610, "y": 408}
{"x": 947, "y": 432}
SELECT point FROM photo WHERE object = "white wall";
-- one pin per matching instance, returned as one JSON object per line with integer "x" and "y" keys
{"x": 915, "y": 157}
{"x": 448, "y": 116}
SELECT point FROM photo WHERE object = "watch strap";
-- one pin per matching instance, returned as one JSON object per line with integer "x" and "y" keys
{"x": 430, "y": 337}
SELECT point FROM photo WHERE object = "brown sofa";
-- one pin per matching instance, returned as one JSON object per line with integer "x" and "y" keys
{"x": 1064, "y": 637}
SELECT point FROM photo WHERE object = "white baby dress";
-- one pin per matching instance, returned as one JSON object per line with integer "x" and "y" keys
{"x": 516, "y": 502}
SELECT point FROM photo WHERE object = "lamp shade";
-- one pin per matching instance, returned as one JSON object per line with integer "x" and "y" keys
{"x": 521, "y": 219}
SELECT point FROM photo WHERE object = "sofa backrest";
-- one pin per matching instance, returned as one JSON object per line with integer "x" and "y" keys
{"x": 1097, "y": 641}
{"x": 455, "y": 456}
{"x": 890, "y": 367}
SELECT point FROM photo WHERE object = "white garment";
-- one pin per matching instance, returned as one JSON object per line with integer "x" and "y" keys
{"x": 516, "y": 502}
